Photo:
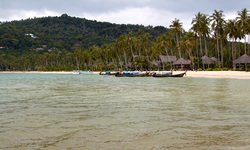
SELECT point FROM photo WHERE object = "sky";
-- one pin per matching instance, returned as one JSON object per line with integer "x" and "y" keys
{"x": 142, "y": 12}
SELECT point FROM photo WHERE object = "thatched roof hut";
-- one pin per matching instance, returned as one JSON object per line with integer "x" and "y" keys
{"x": 181, "y": 62}
{"x": 206, "y": 60}
{"x": 164, "y": 58}
{"x": 214, "y": 59}
{"x": 154, "y": 62}
{"x": 244, "y": 59}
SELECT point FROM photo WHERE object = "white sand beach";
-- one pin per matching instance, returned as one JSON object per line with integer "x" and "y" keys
{"x": 219, "y": 74}
{"x": 198, "y": 74}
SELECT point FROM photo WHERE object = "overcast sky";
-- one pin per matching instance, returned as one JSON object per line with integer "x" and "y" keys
{"x": 145, "y": 12}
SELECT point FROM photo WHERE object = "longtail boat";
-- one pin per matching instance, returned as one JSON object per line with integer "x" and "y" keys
{"x": 169, "y": 75}
{"x": 130, "y": 74}
{"x": 108, "y": 73}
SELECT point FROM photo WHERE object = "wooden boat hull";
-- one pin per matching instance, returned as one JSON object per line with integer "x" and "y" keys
{"x": 131, "y": 75}
{"x": 169, "y": 75}
{"x": 108, "y": 73}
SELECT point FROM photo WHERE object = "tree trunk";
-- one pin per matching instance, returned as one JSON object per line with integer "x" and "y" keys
{"x": 125, "y": 59}
{"x": 197, "y": 54}
{"x": 77, "y": 63}
{"x": 205, "y": 41}
{"x": 178, "y": 46}
{"x": 201, "y": 53}
{"x": 218, "y": 49}
{"x": 119, "y": 58}
{"x": 221, "y": 48}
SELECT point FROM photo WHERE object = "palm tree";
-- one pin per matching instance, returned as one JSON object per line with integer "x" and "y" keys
{"x": 205, "y": 30}
{"x": 145, "y": 43}
{"x": 231, "y": 31}
{"x": 200, "y": 26}
{"x": 248, "y": 32}
{"x": 162, "y": 45}
{"x": 243, "y": 16}
{"x": 176, "y": 27}
{"x": 188, "y": 43}
{"x": 121, "y": 46}
{"x": 217, "y": 19}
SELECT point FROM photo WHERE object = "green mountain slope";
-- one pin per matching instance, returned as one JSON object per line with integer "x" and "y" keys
{"x": 63, "y": 33}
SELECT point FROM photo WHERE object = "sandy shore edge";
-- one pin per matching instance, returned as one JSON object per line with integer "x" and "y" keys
{"x": 197, "y": 74}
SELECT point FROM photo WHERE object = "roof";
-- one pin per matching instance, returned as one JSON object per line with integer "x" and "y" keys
{"x": 214, "y": 59}
{"x": 207, "y": 60}
{"x": 244, "y": 59}
{"x": 167, "y": 58}
{"x": 111, "y": 63}
{"x": 155, "y": 62}
{"x": 181, "y": 61}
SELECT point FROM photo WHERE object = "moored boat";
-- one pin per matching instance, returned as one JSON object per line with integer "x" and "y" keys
{"x": 130, "y": 74}
{"x": 169, "y": 75}
{"x": 76, "y": 71}
{"x": 85, "y": 72}
{"x": 108, "y": 73}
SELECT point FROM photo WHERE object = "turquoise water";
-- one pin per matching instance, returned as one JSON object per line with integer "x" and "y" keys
{"x": 60, "y": 111}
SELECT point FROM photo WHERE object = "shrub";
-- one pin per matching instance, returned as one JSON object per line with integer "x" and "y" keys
{"x": 225, "y": 69}
{"x": 216, "y": 69}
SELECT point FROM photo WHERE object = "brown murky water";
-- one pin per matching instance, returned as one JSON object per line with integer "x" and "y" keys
{"x": 46, "y": 111}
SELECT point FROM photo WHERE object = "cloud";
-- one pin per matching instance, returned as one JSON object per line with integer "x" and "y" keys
{"x": 144, "y": 12}
{"x": 24, "y": 14}
{"x": 142, "y": 16}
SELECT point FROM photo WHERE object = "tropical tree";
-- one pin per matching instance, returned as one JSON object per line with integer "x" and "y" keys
{"x": 162, "y": 45}
{"x": 198, "y": 28}
{"x": 176, "y": 27}
{"x": 244, "y": 23}
{"x": 231, "y": 30}
{"x": 188, "y": 44}
{"x": 205, "y": 30}
{"x": 217, "y": 19}
{"x": 121, "y": 47}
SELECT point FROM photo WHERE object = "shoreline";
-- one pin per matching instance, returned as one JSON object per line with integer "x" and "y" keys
{"x": 192, "y": 74}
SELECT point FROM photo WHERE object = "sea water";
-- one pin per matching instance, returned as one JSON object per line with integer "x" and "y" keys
{"x": 90, "y": 112}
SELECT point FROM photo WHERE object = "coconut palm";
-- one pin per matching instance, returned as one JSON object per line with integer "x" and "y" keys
{"x": 176, "y": 27}
{"x": 248, "y": 31}
{"x": 199, "y": 29}
{"x": 242, "y": 19}
{"x": 188, "y": 44}
{"x": 197, "y": 26}
{"x": 231, "y": 30}
{"x": 205, "y": 30}
{"x": 121, "y": 47}
{"x": 162, "y": 45}
{"x": 217, "y": 19}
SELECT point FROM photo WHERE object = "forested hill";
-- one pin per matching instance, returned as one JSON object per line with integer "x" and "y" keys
{"x": 17, "y": 37}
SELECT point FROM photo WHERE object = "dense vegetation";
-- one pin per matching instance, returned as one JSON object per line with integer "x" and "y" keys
{"x": 67, "y": 43}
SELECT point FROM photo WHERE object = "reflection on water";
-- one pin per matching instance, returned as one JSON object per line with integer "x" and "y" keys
{"x": 39, "y": 111}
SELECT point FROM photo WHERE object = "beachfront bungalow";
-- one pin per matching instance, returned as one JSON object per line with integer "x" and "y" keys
{"x": 182, "y": 63}
{"x": 164, "y": 58}
{"x": 207, "y": 61}
{"x": 214, "y": 59}
{"x": 39, "y": 49}
{"x": 242, "y": 60}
